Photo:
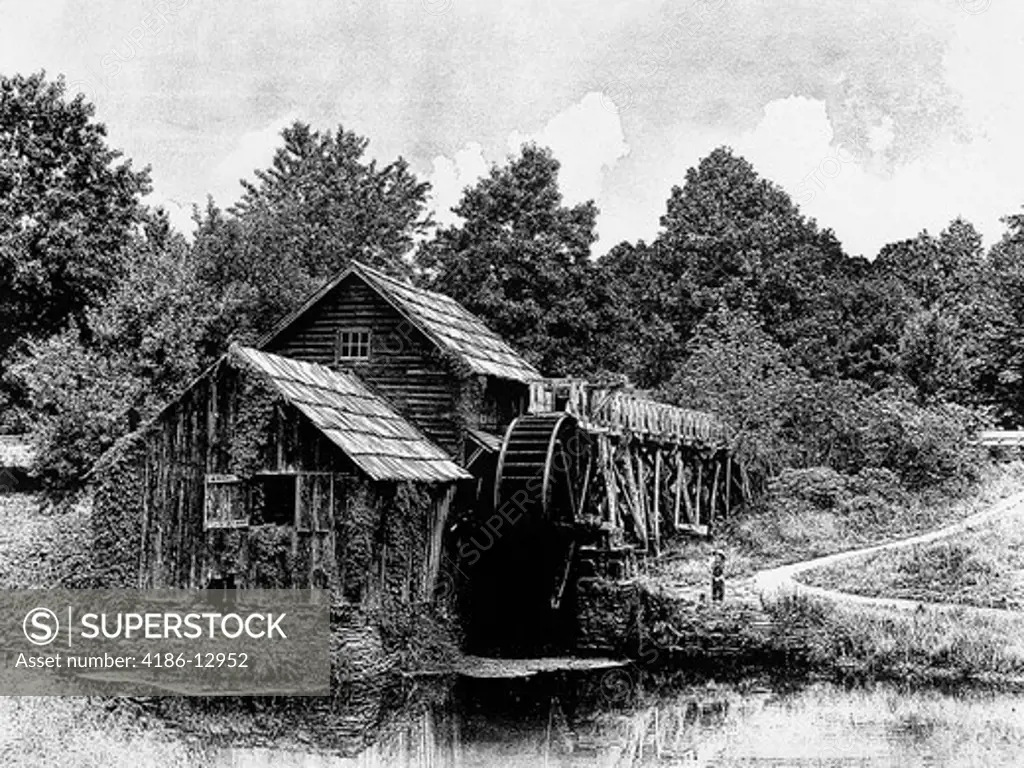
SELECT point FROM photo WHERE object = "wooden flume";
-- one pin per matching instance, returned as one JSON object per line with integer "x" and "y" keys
{"x": 622, "y": 471}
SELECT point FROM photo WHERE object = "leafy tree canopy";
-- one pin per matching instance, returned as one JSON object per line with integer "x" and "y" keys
{"x": 320, "y": 204}
{"x": 68, "y": 208}
{"x": 520, "y": 260}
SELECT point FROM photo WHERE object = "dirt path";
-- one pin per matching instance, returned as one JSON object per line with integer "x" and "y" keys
{"x": 783, "y": 579}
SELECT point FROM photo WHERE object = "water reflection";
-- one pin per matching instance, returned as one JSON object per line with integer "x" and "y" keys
{"x": 570, "y": 720}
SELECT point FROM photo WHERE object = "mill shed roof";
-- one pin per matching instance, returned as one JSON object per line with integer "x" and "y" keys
{"x": 440, "y": 318}
{"x": 379, "y": 441}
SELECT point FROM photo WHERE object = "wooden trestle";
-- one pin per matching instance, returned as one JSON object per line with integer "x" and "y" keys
{"x": 646, "y": 469}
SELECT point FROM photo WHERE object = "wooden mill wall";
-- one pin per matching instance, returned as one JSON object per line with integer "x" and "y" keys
{"x": 364, "y": 540}
{"x": 403, "y": 366}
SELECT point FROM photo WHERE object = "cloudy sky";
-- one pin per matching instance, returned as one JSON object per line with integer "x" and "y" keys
{"x": 881, "y": 118}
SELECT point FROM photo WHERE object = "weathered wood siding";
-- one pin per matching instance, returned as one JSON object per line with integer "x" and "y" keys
{"x": 423, "y": 384}
{"x": 231, "y": 423}
{"x": 404, "y": 365}
{"x": 491, "y": 404}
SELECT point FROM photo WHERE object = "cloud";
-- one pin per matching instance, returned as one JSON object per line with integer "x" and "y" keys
{"x": 179, "y": 213}
{"x": 924, "y": 86}
{"x": 450, "y": 176}
{"x": 252, "y": 151}
{"x": 587, "y": 139}
{"x": 868, "y": 201}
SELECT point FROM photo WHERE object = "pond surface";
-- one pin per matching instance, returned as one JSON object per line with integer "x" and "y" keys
{"x": 591, "y": 719}
{"x": 602, "y": 719}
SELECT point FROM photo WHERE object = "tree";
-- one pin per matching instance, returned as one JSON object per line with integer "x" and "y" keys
{"x": 155, "y": 331}
{"x": 520, "y": 260}
{"x": 939, "y": 270}
{"x": 68, "y": 207}
{"x": 738, "y": 372}
{"x": 731, "y": 239}
{"x": 319, "y": 205}
{"x": 947, "y": 306}
{"x": 642, "y": 338}
{"x": 1001, "y": 375}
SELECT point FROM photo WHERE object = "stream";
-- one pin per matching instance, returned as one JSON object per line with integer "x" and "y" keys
{"x": 606, "y": 719}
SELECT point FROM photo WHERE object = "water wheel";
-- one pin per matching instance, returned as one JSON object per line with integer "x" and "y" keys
{"x": 542, "y": 468}
{"x": 525, "y": 573}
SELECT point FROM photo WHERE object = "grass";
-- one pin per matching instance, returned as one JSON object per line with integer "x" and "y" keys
{"x": 785, "y": 528}
{"x": 42, "y": 545}
{"x": 983, "y": 568}
{"x": 928, "y": 645}
{"x": 48, "y": 730}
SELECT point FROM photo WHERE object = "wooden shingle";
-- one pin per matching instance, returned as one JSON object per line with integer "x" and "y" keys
{"x": 379, "y": 441}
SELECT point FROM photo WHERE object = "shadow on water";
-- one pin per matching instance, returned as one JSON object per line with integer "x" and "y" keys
{"x": 603, "y": 718}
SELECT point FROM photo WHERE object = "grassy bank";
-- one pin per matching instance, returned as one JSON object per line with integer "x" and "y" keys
{"x": 809, "y": 636}
{"x": 42, "y": 545}
{"x": 817, "y": 512}
{"x": 929, "y": 645}
{"x": 799, "y": 638}
{"x": 51, "y": 730}
{"x": 983, "y": 568}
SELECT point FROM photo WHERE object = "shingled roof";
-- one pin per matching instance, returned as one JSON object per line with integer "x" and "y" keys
{"x": 379, "y": 441}
{"x": 440, "y": 318}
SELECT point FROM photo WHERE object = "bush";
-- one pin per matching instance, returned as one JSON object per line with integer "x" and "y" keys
{"x": 926, "y": 446}
{"x": 117, "y": 513}
{"x": 808, "y": 433}
{"x": 821, "y": 486}
{"x": 154, "y": 333}
{"x": 878, "y": 483}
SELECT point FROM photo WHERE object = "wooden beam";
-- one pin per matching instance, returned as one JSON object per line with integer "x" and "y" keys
{"x": 657, "y": 499}
{"x": 634, "y": 493}
{"x": 697, "y": 499}
{"x": 608, "y": 473}
{"x": 728, "y": 484}
{"x": 586, "y": 486}
{"x": 568, "y": 476}
{"x": 679, "y": 487}
{"x": 644, "y": 491}
{"x": 556, "y": 599}
{"x": 714, "y": 494}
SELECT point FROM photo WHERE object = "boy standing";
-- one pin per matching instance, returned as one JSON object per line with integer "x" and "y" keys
{"x": 718, "y": 577}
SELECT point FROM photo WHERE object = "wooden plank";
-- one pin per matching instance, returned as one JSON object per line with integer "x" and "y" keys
{"x": 656, "y": 506}
{"x": 728, "y": 485}
{"x": 634, "y": 490}
{"x": 586, "y": 487}
{"x": 696, "y": 529}
{"x": 680, "y": 480}
{"x": 697, "y": 495}
{"x": 713, "y": 506}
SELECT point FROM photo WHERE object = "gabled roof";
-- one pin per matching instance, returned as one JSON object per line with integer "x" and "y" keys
{"x": 440, "y": 318}
{"x": 379, "y": 441}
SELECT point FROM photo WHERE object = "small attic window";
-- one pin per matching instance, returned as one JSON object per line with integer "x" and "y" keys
{"x": 353, "y": 344}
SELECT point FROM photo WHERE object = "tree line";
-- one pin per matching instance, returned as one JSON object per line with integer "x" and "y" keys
{"x": 741, "y": 304}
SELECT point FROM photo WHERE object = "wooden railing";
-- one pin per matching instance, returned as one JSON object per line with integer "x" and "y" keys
{"x": 1001, "y": 437}
{"x": 618, "y": 410}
